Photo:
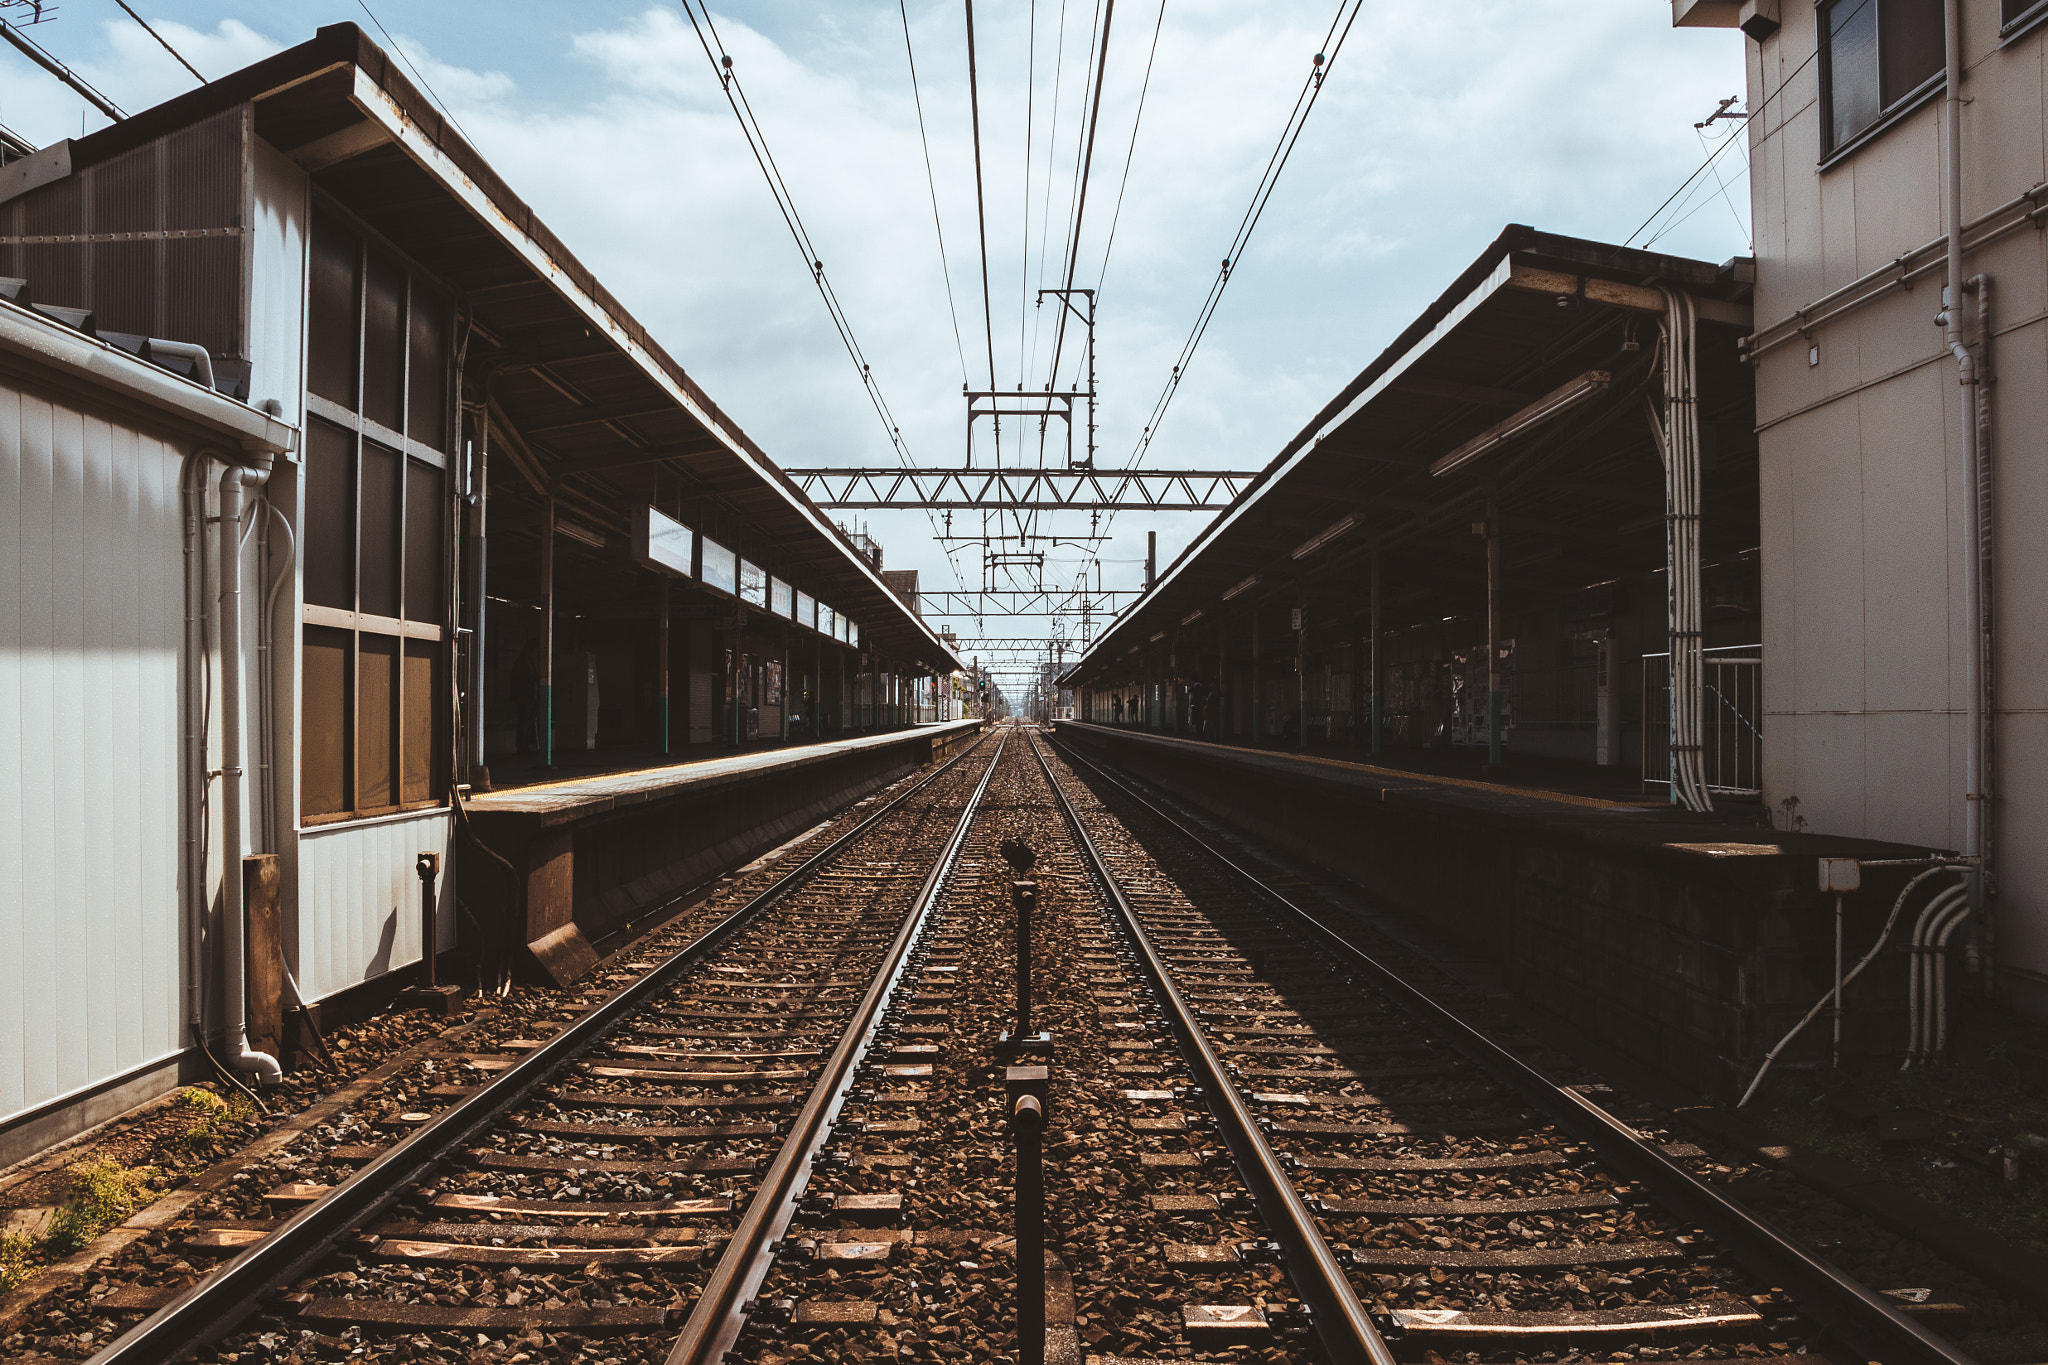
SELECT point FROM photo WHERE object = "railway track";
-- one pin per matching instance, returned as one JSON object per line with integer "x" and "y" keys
{"x": 789, "y": 1139}
{"x": 1471, "y": 1205}
{"x": 618, "y": 1173}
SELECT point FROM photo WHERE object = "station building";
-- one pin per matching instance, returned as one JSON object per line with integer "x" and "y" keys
{"x": 340, "y": 499}
{"x": 1471, "y": 548}
{"x": 1899, "y": 431}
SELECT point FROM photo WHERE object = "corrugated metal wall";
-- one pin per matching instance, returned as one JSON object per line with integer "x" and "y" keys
{"x": 359, "y": 900}
{"x": 91, "y": 567}
{"x": 180, "y": 204}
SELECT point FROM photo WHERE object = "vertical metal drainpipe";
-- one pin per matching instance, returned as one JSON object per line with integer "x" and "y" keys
{"x": 479, "y": 582}
{"x": 547, "y": 638}
{"x": 1374, "y": 653}
{"x": 1953, "y": 319}
{"x": 1493, "y": 636}
{"x": 233, "y": 816}
{"x": 661, "y": 649}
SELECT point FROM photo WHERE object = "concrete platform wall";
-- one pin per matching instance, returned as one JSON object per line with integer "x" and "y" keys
{"x": 1692, "y": 949}
{"x": 576, "y": 875}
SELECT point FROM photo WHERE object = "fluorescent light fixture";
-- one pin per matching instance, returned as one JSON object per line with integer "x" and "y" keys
{"x": 1251, "y": 581}
{"x": 1192, "y": 617}
{"x": 1542, "y": 410}
{"x": 594, "y": 539}
{"x": 1323, "y": 537}
{"x": 1156, "y": 638}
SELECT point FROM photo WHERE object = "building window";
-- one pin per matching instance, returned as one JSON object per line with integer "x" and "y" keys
{"x": 373, "y": 729}
{"x": 1878, "y": 55}
{"x": 2016, "y": 14}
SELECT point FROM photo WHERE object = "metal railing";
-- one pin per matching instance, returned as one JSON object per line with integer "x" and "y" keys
{"x": 1731, "y": 726}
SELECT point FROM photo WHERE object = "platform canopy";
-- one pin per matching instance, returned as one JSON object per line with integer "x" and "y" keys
{"x": 606, "y": 420}
{"x": 1528, "y": 383}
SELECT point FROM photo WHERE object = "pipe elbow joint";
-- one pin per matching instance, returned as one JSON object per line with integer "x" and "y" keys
{"x": 265, "y": 1066}
{"x": 1966, "y": 364}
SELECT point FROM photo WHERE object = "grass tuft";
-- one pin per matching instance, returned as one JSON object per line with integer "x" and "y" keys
{"x": 103, "y": 1193}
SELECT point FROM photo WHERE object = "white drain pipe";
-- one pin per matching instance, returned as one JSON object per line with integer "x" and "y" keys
{"x": 234, "y": 840}
{"x": 1953, "y": 317}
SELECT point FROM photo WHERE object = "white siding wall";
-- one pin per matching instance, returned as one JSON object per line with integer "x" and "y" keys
{"x": 90, "y": 624}
{"x": 1862, "y": 481}
{"x": 281, "y": 214}
{"x": 359, "y": 898}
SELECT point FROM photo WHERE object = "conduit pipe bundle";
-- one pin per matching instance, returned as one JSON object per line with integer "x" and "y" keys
{"x": 1679, "y": 444}
{"x": 1883, "y": 937}
{"x": 1927, "y": 972}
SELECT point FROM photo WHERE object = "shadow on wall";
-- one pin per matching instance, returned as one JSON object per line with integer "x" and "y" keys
{"x": 387, "y": 938}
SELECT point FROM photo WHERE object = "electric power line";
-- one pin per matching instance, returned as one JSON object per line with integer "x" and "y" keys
{"x": 1297, "y": 119}
{"x": 980, "y": 201}
{"x": 409, "y": 65}
{"x": 1117, "y": 214}
{"x": 931, "y": 182}
{"x": 785, "y": 203}
{"x": 1087, "y": 165}
{"x": 161, "y": 40}
{"x": 1753, "y": 113}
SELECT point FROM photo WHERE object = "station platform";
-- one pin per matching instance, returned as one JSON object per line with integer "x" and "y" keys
{"x": 552, "y": 865}
{"x": 1691, "y": 942}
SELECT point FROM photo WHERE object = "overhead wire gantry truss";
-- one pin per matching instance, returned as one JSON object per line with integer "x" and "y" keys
{"x": 1037, "y": 490}
{"x": 1053, "y": 601}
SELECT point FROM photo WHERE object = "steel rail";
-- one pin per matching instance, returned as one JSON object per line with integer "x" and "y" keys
{"x": 1340, "y": 1319}
{"x": 213, "y": 1307}
{"x": 1835, "y": 1300}
{"x": 720, "y": 1310}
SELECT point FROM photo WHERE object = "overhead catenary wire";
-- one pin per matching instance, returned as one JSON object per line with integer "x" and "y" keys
{"x": 1024, "y": 254}
{"x": 1297, "y": 119}
{"x": 785, "y": 203}
{"x": 980, "y": 199}
{"x": 1144, "y": 88}
{"x": 931, "y": 183}
{"x": 161, "y": 40}
{"x": 1081, "y": 192}
{"x": 1754, "y": 112}
{"x": 1059, "y": 51}
{"x": 418, "y": 75}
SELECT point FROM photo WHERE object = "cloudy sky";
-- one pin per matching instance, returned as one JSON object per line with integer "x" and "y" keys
{"x": 1438, "y": 124}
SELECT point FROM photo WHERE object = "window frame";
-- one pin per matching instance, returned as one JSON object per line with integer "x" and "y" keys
{"x": 1890, "y": 115}
{"x": 2021, "y": 24}
{"x": 403, "y": 632}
